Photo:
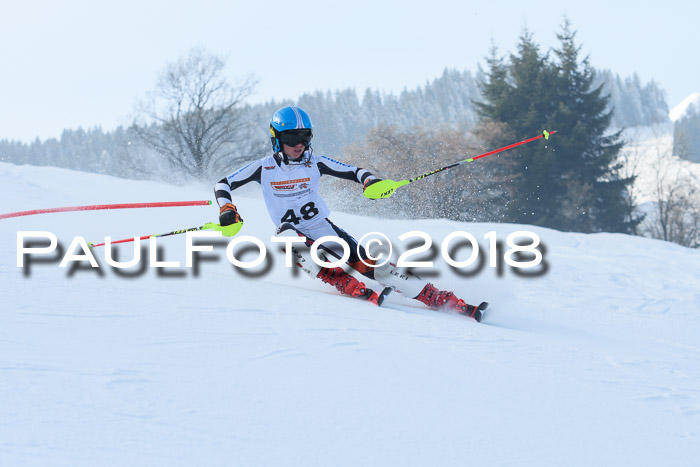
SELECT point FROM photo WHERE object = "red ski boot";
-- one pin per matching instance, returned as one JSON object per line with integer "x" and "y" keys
{"x": 348, "y": 285}
{"x": 444, "y": 300}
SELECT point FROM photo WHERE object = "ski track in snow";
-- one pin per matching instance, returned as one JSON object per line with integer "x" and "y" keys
{"x": 595, "y": 362}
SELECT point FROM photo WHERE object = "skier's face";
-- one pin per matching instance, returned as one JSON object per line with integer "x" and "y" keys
{"x": 293, "y": 152}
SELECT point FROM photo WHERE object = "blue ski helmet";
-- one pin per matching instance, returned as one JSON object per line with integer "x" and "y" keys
{"x": 290, "y": 126}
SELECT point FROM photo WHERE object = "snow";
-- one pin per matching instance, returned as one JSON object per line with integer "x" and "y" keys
{"x": 596, "y": 362}
{"x": 681, "y": 108}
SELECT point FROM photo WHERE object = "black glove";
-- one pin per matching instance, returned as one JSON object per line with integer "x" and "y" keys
{"x": 228, "y": 215}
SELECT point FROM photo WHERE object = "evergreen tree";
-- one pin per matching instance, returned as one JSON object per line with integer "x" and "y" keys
{"x": 517, "y": 95}
{"x": 596, "y": 195}
{"x": 570, "y": 182}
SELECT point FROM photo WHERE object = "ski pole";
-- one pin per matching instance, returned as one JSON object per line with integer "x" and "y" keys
{"x": 386, "y": 188}
{"x": 96, "y": 207}
{"x": 228, "y": 231}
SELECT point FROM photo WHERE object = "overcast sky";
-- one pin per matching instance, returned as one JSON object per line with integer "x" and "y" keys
{"x": 72, "y": 63}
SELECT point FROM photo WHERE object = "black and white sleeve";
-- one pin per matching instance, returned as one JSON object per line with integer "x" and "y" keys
{"x": 224, "y": 187}
{"x": 328, "y": 166}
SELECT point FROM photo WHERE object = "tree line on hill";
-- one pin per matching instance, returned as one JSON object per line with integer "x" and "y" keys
{"x": 197, "y": 125}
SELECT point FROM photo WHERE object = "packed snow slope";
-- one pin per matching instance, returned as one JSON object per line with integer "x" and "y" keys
{"x": 595, "y": 362}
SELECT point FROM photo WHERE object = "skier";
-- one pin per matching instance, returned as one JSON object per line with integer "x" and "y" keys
{"x": 289, "y": 179}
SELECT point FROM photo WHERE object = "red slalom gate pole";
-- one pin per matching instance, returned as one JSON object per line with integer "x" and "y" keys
{"x": 98, "y": 207}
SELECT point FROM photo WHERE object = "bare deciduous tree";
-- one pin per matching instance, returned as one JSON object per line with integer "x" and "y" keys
{"x": 676, "y": 215}
{"x": 668, "y": 192}
{"x": 194, "y": 117}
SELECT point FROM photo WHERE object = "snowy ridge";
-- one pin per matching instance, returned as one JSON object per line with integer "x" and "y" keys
{"x": 679, "y": 110}
{"x": 596, "y": 362}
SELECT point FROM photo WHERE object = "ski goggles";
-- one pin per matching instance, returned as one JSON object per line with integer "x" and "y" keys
{"x": 295, "y": 137}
